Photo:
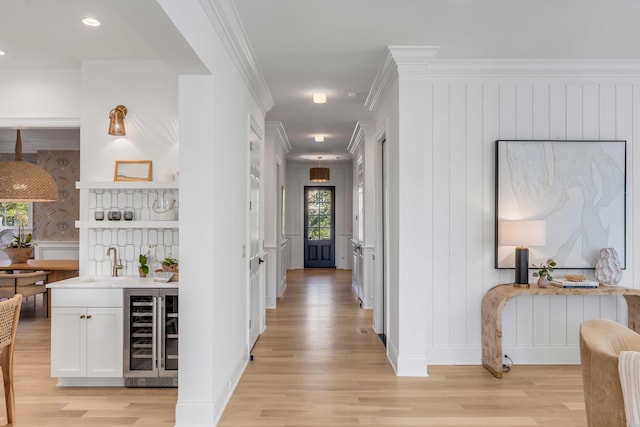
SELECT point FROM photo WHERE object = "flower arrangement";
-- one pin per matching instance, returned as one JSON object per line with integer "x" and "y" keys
{"x": 545, "y": 269}
{"x": 20, "y": 240}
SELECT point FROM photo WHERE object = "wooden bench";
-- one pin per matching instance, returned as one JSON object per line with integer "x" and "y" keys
{"x": 27, "y": 285}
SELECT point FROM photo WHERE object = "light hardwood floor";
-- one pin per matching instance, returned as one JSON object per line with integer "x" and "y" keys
{"x": 319, "y": 363}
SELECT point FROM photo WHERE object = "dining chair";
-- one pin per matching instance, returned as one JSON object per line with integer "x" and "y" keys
{"x": 9, "y": 316}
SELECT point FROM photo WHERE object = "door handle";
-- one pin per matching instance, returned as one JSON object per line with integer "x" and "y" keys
{"x": 260, "y": 261}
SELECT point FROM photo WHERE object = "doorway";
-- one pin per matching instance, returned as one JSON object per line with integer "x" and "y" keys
{"x": 319, "y": 227}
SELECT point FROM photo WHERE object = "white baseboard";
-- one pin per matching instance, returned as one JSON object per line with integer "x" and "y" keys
{"x": 90, "y": 382}
{"x": 523, "y": 355}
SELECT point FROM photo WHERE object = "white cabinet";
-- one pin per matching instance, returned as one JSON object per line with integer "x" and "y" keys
{"x": 87, "y": 336}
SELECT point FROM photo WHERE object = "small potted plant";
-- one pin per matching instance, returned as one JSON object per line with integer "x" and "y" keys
{"x": 20, "y": 249}
{"x": 544, "y": 272}
{"x": 170, "y": 264}
{"x": 143, "y": 269}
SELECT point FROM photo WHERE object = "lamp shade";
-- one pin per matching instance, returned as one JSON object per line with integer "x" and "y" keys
{"x": 521, "y": 233}
{"x": 116, "y": 121}
{"x": 319, "y": 174}
{"x": 24, "y": 181}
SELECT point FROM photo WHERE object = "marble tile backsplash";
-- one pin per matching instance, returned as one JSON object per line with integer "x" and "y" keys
{"x": 147, "y": 205}
{"x": 156, "y": 243}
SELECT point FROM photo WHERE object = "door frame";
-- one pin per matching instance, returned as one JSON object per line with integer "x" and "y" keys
{"x": 255, "y": 133}
{"x": 381, "y": 303}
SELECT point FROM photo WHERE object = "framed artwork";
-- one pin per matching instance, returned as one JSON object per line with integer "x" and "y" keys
{"x": 132, "y": 170}
{"x": 577, "y": 187}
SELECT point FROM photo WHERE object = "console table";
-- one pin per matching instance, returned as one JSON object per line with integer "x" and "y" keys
{"x": 495, "y": 299}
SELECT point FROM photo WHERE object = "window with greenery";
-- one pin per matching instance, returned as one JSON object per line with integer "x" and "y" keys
{"x": 13, "y": 212}
{"x": 319, "y": 215}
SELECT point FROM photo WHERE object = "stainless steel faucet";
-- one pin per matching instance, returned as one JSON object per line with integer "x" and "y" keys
{"x": 117, "y": 264}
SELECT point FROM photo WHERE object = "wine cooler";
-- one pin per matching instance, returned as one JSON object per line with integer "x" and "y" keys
{"x": 151, "y": 338}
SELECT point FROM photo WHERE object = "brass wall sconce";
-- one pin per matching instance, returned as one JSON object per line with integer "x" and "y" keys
{"x": 116, "y": 121}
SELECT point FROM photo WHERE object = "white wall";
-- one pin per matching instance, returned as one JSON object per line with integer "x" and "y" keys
{"x": 470, "y": 107}
{"x": 297, "y": 179}
{"x": 215, "y": 115}
{"x": 42, "y": 94}
{"x": 149, "y": 90}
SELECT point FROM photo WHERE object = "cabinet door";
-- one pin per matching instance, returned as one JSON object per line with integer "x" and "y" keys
{"x": 68, "y": 342}
{"x": 104, "y": 342}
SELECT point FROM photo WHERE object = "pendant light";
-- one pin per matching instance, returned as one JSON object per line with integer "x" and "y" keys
{"x": 319, "y": 174}
{"x": 24, "y": 181}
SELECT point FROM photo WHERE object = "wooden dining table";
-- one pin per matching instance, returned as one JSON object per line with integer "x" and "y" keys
{"x": 57, "y": 269}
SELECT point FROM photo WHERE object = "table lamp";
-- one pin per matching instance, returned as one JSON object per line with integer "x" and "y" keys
{"x": 521, "y": 234}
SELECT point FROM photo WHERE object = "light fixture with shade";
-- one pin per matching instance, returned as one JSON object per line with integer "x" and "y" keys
{"x": 319, "y": 174}
{"x": 24, "y": 181}
{"x": 116, "y": 121}
{"x": 319, "y": 97}
{"x": 521, "y": 234}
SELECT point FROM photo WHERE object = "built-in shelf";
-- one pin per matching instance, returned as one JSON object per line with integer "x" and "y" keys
{"x": 126, "y": 224}
{"x": 127, "y": 185}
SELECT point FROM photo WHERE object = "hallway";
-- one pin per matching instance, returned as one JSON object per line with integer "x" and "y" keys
{"x": 319, "y": 363}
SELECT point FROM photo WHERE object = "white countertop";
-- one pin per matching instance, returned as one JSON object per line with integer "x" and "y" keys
{"x": 108, "y": 282}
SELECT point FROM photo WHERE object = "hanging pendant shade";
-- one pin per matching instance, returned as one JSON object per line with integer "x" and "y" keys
{"x": 24, "y": 181}
{"x": 319, "y": 174}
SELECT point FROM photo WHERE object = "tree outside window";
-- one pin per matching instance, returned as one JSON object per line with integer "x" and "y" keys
{"x": 10, "y": 212}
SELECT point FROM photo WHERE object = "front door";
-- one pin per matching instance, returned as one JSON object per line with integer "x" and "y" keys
{"x": 319, "y": 227}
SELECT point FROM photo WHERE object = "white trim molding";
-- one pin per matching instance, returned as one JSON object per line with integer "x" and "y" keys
{"x": 29, "y": 122}
{"x": 406, "y": 59}
{"x": 362, "y": 129}
{"x": 277, "y": 130}
{"x": 224, "y": 17}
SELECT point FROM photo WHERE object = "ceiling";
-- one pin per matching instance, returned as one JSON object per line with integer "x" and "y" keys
{"x": 331, "y": 45}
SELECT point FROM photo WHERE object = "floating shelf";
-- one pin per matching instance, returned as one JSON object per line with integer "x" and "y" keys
{"x": 126, "y": 224}
{"x": 128, "y": 185}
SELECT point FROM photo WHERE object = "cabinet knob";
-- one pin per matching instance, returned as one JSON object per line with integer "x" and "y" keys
{"x": 82, "y": 316}
{"x": 88, "y": 316}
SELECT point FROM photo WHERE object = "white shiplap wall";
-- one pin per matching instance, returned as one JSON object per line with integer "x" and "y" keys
{"x": 469, "y": 114}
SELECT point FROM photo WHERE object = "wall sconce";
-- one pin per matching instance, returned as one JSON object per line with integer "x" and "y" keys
{"x": 319, "y": 174}
{"x": 24, "y": 181}
{"x": 116, "y": 121}
{"x": 521, "y": 234}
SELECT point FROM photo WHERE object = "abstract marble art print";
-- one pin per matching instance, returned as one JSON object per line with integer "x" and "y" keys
{"x": 577, "y": 187}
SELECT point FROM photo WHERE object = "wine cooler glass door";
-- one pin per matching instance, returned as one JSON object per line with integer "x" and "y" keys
{"x": 169, "y": 325}
{"x": 141, "y": 360}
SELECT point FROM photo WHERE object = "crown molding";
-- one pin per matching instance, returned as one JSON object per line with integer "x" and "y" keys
{"x": 363, "y": 129}
{"x": 276, "y": 130}
{"x": 400, "y": 59}
{"x": 535, "y": 67}
{"x": 224, "y": 17}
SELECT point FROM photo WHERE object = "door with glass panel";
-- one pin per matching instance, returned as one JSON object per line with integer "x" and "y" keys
{"x": 319, "y": 227}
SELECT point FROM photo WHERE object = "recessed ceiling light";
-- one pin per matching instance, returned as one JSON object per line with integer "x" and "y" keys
{"x": 352, "y": 95}
{"x": 91, "y": 22}
{"x": 319, "y": 97}
{"x": 318, "y": 138}
{"x": 2, "y": 52}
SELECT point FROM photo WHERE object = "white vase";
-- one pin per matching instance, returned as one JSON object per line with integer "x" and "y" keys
{"x": 608, "y": 270}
